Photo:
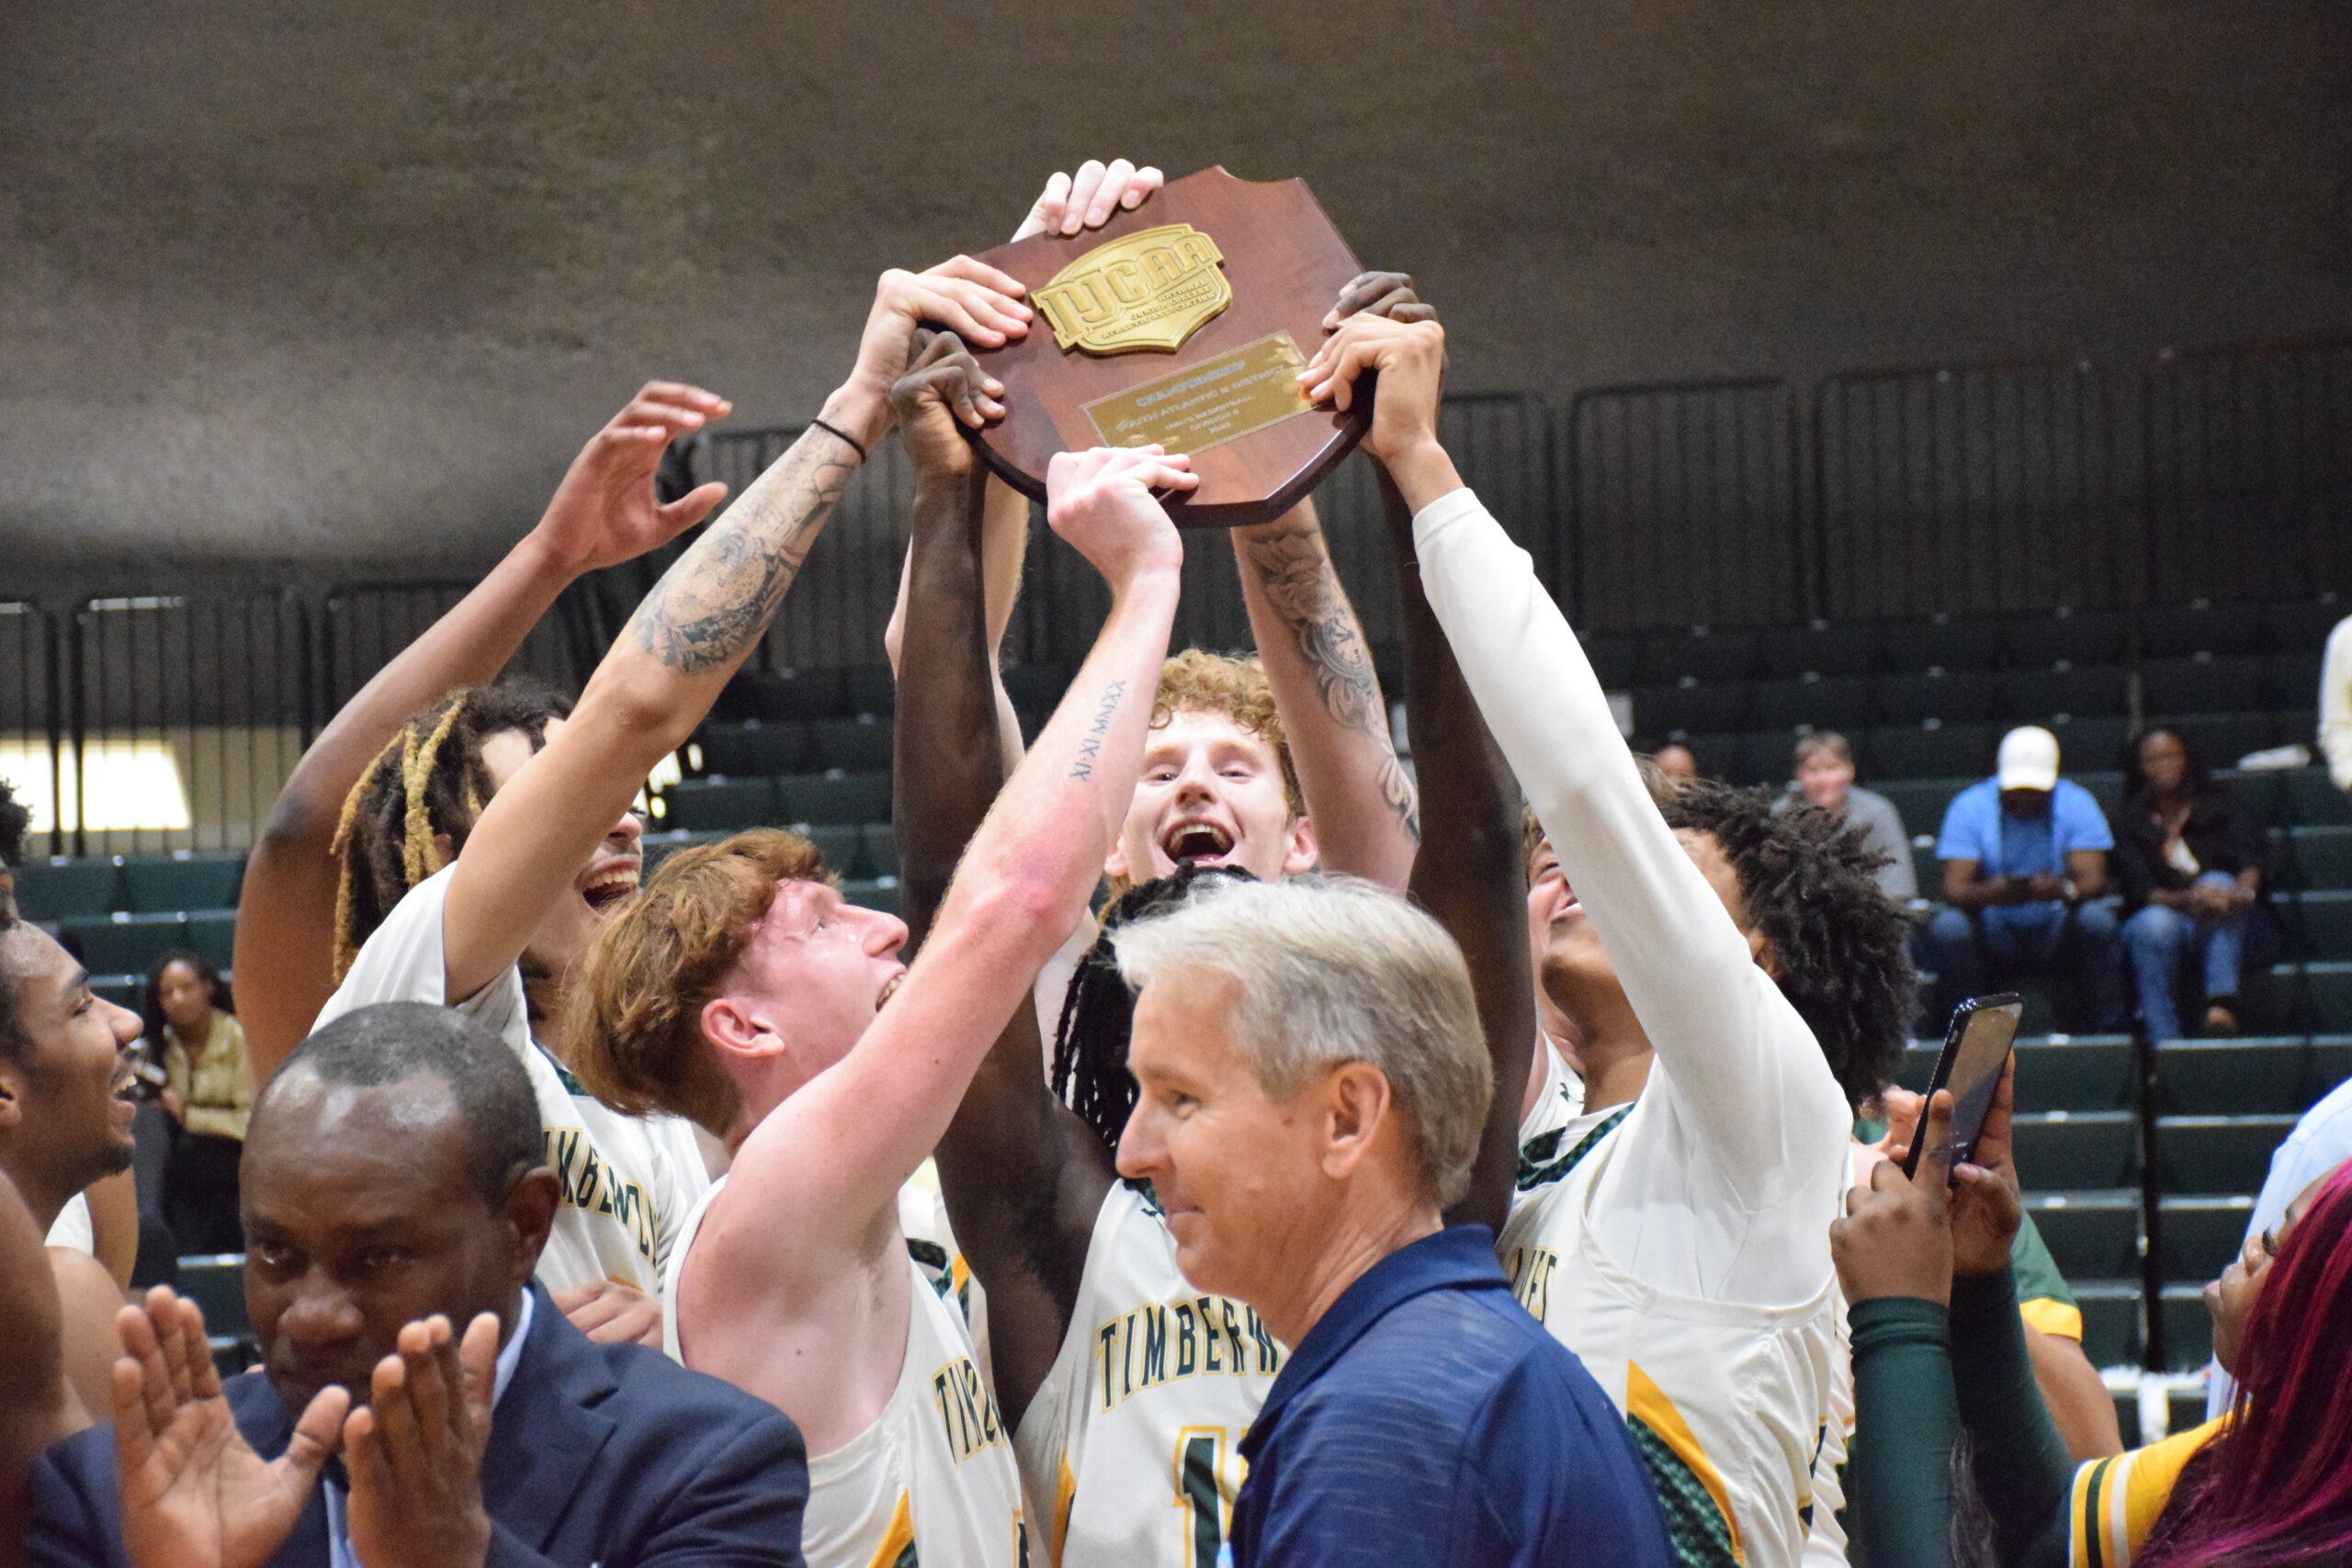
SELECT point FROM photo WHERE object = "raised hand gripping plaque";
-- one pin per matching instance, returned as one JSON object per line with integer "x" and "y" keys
{"x": 1186, "y": 323}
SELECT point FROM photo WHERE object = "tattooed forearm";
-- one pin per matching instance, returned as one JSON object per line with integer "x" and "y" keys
{"x": 1089, "y": 745}
{"x": 1295, "y": 572}
{"x": 711, "y": 606}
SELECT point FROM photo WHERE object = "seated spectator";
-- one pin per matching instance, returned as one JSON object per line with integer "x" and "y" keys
{"x": 1675, "y": 761}
{"x": 1313, "y": 1088}
{"x": 1825, "y": 775}
{"x": 2189, "y": 864}
{"x": 2335, "y": 704}
{"x": 207, "y": 1092}
{"x": 2270, "y": 1482}
{"x": 397, "y": 1197}
{"x": 2025, "y": 862}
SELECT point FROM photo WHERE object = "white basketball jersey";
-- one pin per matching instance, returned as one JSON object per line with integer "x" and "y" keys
{"x": 932, "y": 1479}
{"x": 1729, "y": 1404}
{"x": 1132, "y": 1449}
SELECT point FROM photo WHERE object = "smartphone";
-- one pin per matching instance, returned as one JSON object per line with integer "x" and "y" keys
{"x": 1977, "y": 1044}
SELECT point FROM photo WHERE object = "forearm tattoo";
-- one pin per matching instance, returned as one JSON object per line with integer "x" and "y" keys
{"x": 1089, "y": 745}
{"x": 713, "y": 603}
{"x": 1294, "y": 571}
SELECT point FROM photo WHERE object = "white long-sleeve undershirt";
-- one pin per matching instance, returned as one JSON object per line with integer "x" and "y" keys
{"x": 1732, "y": 1165}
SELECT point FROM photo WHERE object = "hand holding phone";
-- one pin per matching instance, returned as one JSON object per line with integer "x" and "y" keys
{"x": 1976, "y": 1048}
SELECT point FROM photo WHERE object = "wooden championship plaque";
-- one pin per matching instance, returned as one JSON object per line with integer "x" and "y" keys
{"x": 1186, "y": 323}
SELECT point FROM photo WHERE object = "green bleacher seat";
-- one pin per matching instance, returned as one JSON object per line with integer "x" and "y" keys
{"x": 1832, "y": 701}
{"x": 217, "y": 1285}
{"x": 2232, "y": 1077}
{"x": 1926, "y": 869}
{"x": 2074, "y": 1150}
{"x": 1611, "y": 655}
{"x": 60, "y": 889}
{"x": 2312, "y": 798}
{"x": 2079, "y": 636}
{"x": 2189, "y": 1328}
{"x": 1710, "y": 654}
{"x": 1819, "y": 647}
{"x": 165, "y": 884}
{"x": 2302, "y": 626}
{"x": 2292, "y": 682}
{"x": 870, "y": 688}
{"x": 751, "y": 750}
{"x": 2112, "y": 1334}
{"x": 2079, "y": 690}
{"x": 2185, "y": 1409}
{"x": 828, "y": 797}
{"x": 1949, "y": 696}
{"x": 878, "y": 849}
{"x": 2223, "y": 738}
{"x": 122, "y": 990}
{"x": 1929, "y": 751}
{"x": 2127, "y": 1416}
{"x": 879, "y": 893}
{"x": 839, "y": 844}
{"x": 123, "y": 944}
{"x": 2205, "y": 684}
{"x": 2320, "y": 858}
{"x": 2201, "y": 1234}
{"x": 2105, "y": 784}
{"x": 2081, "y": 1072}
{"x": 853, "y": 745}
{"x": 2089, "y": 743}
{"x": 214, "y": 934}
{"x": 778, "y": 694}
{"x": 719, "y": 805}
{"x": 2327, "y": 996}
{"x": 2090, "y": 1234}
{"x": 2263, "y": 793}
{"x": 1694, "y": 704}
{"x": 2331, "y": 1063}
{"x": 1037, "y": 687}
{"x": 1720, "y": 755}
{"x": 2325, "y": 920}
{"x": 1922, "y": 802}
{"x": 2168, "y": 631}
{"x": 1939, "y": 643}
{"x": 2219, "y": 1154}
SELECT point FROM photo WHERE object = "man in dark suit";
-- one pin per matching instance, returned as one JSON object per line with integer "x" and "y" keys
{"x": 394, "y": 1186}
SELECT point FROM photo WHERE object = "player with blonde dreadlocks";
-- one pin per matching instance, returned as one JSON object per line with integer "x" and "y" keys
{"x": 411, "y": 812}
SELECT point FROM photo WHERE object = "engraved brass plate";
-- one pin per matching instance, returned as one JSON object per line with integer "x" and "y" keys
{"x": 1152, "y": 289}
{"x": 1203, "y": 406}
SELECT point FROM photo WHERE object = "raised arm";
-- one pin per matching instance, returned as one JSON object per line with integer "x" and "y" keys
{"x": 828, "y": 1160}
{"x": 689, "y": 637}
{"x": 1022, "y": 1175}
{"x": 601, "y": 515}
{"x": 1729, "y": 1042}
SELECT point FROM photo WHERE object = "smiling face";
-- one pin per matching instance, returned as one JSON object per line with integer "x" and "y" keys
{"x": 1211, "y": 793}
{"x": 184, "y": 995}
{"x": 64, "y": 1112}
{"x": 2230, "y": 1298}
{"x": 361, "y": 1214}
{"x": 2163, "y": 763}
{"x": 608, "y": 879}
{"x": 1237, "y": 1173}
{"x": 1570, "y": 962}
{"x": 811, "y": 979}
{"x": 1824, "y": 777}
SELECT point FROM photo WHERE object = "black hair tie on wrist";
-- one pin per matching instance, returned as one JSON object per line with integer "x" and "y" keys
{"x": 855, "y": 444}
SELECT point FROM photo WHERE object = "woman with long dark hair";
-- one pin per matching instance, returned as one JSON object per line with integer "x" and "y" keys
{"x": 191, "y": 1026}
{"x": 2189, "y": 861}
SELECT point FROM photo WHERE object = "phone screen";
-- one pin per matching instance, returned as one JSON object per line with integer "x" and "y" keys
{"x": 1982, "y": 1033}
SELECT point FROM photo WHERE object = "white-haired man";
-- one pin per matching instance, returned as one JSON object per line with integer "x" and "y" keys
{"x": 1313, "y": 1088}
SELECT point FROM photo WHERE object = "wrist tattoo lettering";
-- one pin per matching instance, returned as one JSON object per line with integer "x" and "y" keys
{"x": 1089, "y": 745}
{"x": 716, "y": 601}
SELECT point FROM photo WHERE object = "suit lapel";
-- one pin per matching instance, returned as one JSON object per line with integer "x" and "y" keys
{"x": 546, "y": 1432}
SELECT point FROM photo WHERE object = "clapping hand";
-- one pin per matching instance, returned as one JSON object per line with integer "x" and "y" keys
{"x": 415, "y": 1452}
{"x": 605, "y": 511}
{"x": 194, "y": 1493}
{"x": 1072, "y": 203}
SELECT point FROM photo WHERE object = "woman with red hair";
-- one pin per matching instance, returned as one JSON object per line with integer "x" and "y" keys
{"x": 1937, "y": 1347}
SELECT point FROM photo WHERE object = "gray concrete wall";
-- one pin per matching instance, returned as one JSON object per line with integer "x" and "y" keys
{"x": 325, "y": 284}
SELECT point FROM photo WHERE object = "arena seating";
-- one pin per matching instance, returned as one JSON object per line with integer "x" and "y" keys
{"x": 2143, "y": 1164}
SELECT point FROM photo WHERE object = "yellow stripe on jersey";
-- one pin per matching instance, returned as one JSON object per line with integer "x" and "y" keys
{"x": 2053, "y": 1316}
{"x": 897, "y": 1548}
{"x": 1065, "y": 1493}
{"x": 2116, "y": 1501}
{"x": 1648, "y": 1403}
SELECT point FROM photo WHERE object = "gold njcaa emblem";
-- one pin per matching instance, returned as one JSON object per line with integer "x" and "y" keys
{"x": 1152, "y": 289}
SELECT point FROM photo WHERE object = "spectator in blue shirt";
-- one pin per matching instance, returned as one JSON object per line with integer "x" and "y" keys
{"x": 1313, "y": 1084}
{"x": 2025, "y": 862}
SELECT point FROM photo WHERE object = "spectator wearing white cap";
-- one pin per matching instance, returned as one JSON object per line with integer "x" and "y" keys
{"x": 2025, "y": 862}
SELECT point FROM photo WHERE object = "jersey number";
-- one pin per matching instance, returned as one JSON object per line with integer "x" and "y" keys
{"x": 1200, "y": 1455}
